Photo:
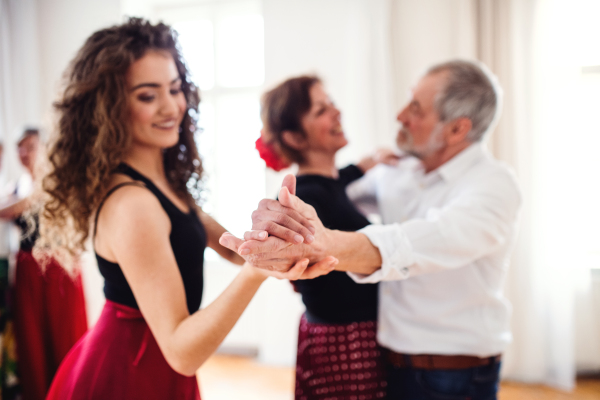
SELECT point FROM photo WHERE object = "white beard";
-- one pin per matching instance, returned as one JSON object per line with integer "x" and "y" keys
{"x": 434, "y": 144}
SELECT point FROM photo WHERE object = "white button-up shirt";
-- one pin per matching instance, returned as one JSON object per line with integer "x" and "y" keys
{"x": 445, "y": 243}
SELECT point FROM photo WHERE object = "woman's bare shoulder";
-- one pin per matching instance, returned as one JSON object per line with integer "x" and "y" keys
{"x": 131, "y": 198}
{"x": 132, "y": 204}
{"x": 128, "y": 212}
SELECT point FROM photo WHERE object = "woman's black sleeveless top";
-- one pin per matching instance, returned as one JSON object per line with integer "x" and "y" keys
{"x": 335, "y": 298}
{"x": 188, "y": 241}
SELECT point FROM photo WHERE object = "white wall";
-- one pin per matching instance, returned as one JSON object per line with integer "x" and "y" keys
{"x": 64, "y": 25}
{"x": 426, "y": 32}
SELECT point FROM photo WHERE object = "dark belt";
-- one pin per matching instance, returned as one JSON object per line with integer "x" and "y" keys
{"x": 433, "y": 362}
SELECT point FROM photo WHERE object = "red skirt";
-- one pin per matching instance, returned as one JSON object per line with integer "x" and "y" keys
{"x": 119, "y": 359}
{"x": 50, "y": 317}
{"x": 339, "y": 362}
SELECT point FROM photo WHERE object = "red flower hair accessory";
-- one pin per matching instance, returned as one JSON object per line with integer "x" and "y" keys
{"x": 272, "y": 158}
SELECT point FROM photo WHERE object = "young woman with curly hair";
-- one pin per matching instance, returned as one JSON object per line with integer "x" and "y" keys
{"x": 125, "y": 167}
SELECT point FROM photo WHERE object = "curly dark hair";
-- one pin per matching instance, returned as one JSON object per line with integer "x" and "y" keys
{"x": 282, "y": 109}
{"x": 92, "y": 137}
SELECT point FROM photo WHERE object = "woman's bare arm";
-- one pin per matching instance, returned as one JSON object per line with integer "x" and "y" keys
{"x": 144, "y": 253}
{"x": 13, "y": 207}
{"x": 214, "y": 230}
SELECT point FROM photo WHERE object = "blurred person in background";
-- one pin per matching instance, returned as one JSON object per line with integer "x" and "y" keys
{"x": 301, "y": 125}
{"x": 9, "y": 382}
{"x": 48, "y": 303}
{"x": 450, "y": 215}
{"x": 124, "y": 172}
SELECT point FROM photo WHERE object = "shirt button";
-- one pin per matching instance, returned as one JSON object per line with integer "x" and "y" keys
{"x": 405, "y": 270}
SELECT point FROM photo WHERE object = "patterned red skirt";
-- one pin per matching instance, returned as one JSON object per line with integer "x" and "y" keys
{"x": 339, "y": 362}
{"x": 119, "y": 359}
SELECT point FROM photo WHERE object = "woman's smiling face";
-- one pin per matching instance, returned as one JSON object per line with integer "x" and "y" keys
{"x": 156, "y": 102}
{"x": 322, "y": 124}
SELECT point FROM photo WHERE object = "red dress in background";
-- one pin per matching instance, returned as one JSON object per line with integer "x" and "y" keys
{"x": 49, "y": 315}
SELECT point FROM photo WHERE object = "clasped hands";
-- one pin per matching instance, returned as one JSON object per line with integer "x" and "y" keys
{"x": 287, "y": 238}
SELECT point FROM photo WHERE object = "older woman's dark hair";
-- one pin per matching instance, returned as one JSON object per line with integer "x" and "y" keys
{"x": 282, "y": 110}
{"x": 92, "y": 136}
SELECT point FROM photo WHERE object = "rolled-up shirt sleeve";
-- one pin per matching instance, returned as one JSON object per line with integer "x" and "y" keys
{"x": 475, "y": 223}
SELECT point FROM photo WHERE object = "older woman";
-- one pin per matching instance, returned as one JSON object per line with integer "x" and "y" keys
{"x": 338, "y": 356}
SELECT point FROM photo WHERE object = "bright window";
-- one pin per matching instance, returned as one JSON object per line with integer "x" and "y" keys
{"x": 223, "y": 44}
{"x": 584, "y": 39}
{"x": 571, "y": 134}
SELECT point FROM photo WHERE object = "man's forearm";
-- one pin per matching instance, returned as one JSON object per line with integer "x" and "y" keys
{"x": 354, "y": 250}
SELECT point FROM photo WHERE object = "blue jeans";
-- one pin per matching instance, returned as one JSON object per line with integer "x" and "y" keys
{"x": 479, "y": 383}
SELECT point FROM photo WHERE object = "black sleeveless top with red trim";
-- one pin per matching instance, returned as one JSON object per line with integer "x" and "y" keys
{"x": 188, "y": 241}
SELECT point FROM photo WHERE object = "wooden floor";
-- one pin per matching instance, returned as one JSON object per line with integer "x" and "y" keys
{"x": 587, "y": 389}
{"x": 231, "y": 377}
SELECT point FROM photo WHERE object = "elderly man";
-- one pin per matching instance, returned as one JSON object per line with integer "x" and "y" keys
{"x": 449, "y": 223}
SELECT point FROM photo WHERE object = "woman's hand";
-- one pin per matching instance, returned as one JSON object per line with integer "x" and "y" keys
{"x": 381, "y": 156}
{"x": 300, "y": 270}
{"x": 13, "y": 207}
{"x": 277, "y": 258}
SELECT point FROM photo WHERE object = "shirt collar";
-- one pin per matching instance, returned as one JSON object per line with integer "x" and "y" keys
{"x": 455, "y": 167}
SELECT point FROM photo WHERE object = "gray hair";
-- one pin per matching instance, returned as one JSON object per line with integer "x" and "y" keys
{"x": 469, "y": 93}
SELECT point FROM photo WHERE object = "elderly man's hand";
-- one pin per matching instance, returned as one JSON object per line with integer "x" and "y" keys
{"x": 279, "y": 258}
{"x": 353, "y": 251}
{"x": 273, "y": 250}
{"x": 292, "y": 223}
{"x": 282, "y": 219}
{"x": 288, "y": 218}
